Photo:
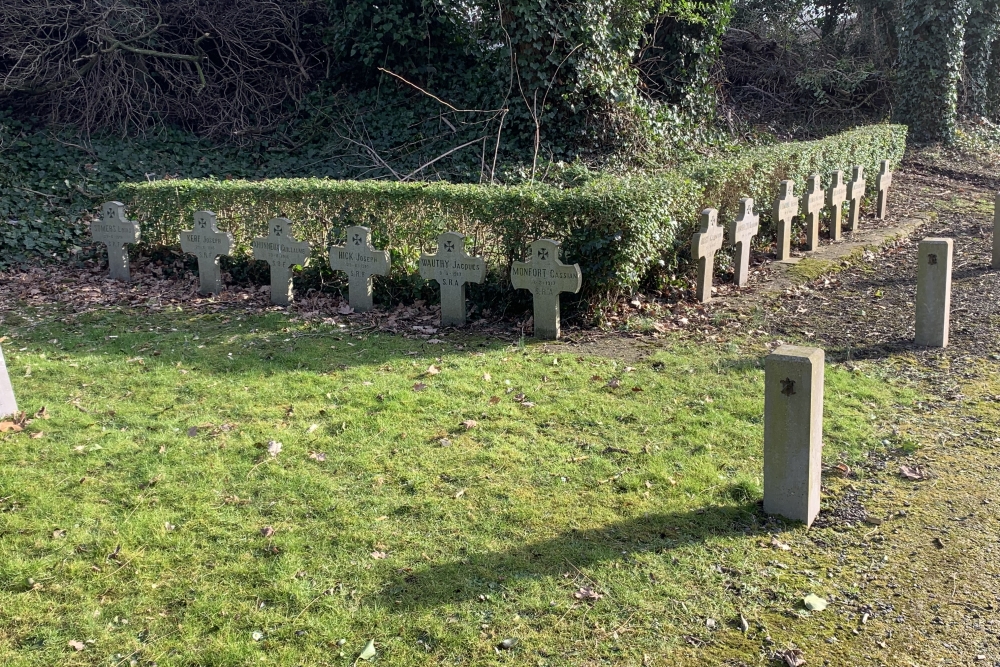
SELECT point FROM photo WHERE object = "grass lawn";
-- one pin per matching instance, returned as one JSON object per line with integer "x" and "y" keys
{"x": 435, "y": 498}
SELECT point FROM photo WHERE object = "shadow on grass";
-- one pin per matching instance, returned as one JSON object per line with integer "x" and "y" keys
{"x": 485, "y": 573}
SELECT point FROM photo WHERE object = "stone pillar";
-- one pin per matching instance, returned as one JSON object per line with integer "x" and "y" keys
{"x": 934, "y": 259}
{"x": 793, "y": 432}
{"x": 996, "y": 232}
{"x": 8, "y": 404}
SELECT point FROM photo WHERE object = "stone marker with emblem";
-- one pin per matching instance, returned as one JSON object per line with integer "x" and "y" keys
{"x": 704, "y": 245}
{"x": 855, "y": 193}
{"x": 452, "y": 268}
{"x": 814, "y": 201}
{"x": 360, "y": 261}
{"x": 884, "y": 181}
{"x": 114, "y": 231}
{"x": 546, "y": 277}
{"x": 280, "y": 249}
{"x": 8, "y": 404}
{"x": 836, "y": 195}
{"x": 786, "y": 207}
{"x": 741, "y": 233}
{"x": 206, "y": 242}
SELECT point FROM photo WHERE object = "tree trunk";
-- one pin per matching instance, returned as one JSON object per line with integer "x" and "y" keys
{"x": 980, "y": 35}
{"x": 931, "y": 42}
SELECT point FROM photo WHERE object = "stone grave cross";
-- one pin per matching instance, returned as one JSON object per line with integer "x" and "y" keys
{"x": 786, "y": 207}
{"x": 741, "y": 233}
{"x": 814, "y": 204}
{"x": 452, "y": 268}
{"x": 8, "y": 404}
{"x": 114, "y": 231}
{"x": 835, "y": 198}
{"x": 546, "y": 277}
{"x": 280, "y": 249}
{"x": 206, "y": 242}
{"x": 855, "y": 193}
{"x": 360, "y": 261}
{"x": 704, "y": 245}
{"x": 884, "y": 181}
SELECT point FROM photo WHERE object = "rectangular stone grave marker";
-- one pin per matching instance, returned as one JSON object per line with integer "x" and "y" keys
{"x": 114, "y": 231}
{"x": 836, "y": 195}
{"x": 704, "y": 245}
{"x": 280, "y": 249}
{"x": 360, "y": 261}
{"x": 884, "y": 181}
{"x": 786, "y": 207}
{"x": 452, "y": 268}
{"x": 996, "y": 232}
{"x": 741, "y": 233}
{"x": 934, "y": 259}
{"x": 815, "y": 198}
{"x": 546, "y": 277}
{"x": 8, "y": 404}
{"x": 793, "y": 432}
{"x": 856, "y": 193}
{"x": 206, "y": 242}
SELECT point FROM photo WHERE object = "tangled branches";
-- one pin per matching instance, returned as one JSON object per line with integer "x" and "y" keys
{"x": 222, "y": 67}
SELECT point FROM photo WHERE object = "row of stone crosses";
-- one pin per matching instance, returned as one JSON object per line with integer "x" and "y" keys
{"x": 453, "y": 268}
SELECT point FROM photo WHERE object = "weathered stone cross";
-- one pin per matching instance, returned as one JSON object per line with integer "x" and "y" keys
{"x": 452, "y": 268}
{"x": 836, "y": 195}
{"x": 114, "y": 231}
{"x": 546, "y": 277}
{"x": 884, "y": 181}
{"x": 814, "y": 204}
{"x": 280, "y": 249}
{"x": 360, "y": 261}
{"x": 741, "y": 233}
{"x": 704, "y": 245}
{"x": 855, "y": 193}
{"x": 786, "y": 207}
{"x": 206, "y": 242}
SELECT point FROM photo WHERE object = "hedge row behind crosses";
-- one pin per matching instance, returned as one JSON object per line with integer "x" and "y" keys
{"x": 451, "y": 266}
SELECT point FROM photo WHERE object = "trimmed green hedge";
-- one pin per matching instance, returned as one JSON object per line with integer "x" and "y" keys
{"x": 618, "y": 228}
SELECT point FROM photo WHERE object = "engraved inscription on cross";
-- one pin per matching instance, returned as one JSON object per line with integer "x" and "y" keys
{"x": 452, "y": 268}
{"x": 280, "y": 249}
{"x": 545, "y": 277}
{"x": 114, "y": 231}
{"x": 704, "y": 245}
{"x": 206, "y": 242}
{"x": 360, "y": 261}
{"x": 786, "y": 207}
{"x": 741, "y": 233}
{"x": 836, "y": 195}
{"x": 855, "y": 193}
{"x": 884, "y": 181}
{"x": 814, "y": 204}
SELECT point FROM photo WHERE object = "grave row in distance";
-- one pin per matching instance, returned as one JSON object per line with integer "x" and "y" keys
{"x": 451, "y": 266}
{"x": 546, "y": 277}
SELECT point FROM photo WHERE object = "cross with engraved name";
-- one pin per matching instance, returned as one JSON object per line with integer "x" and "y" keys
{"x": 855, "y": 193}
{"x": 786, "y": 207}
{"x": 836, "y": 195}
{"x": 114, "y": 231}
{"x": 280, "y": 249}
{"x": 452, "y": 268}
{"x": 360, "y": 261}
{"x": 704, "y": 245}
{"x": 741, "y": 233}
{"x": 814, "y": 204}
{"x": 546, "y": 277}
{"x": 206, "y": 242}
{"x": 884, "y": 181}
